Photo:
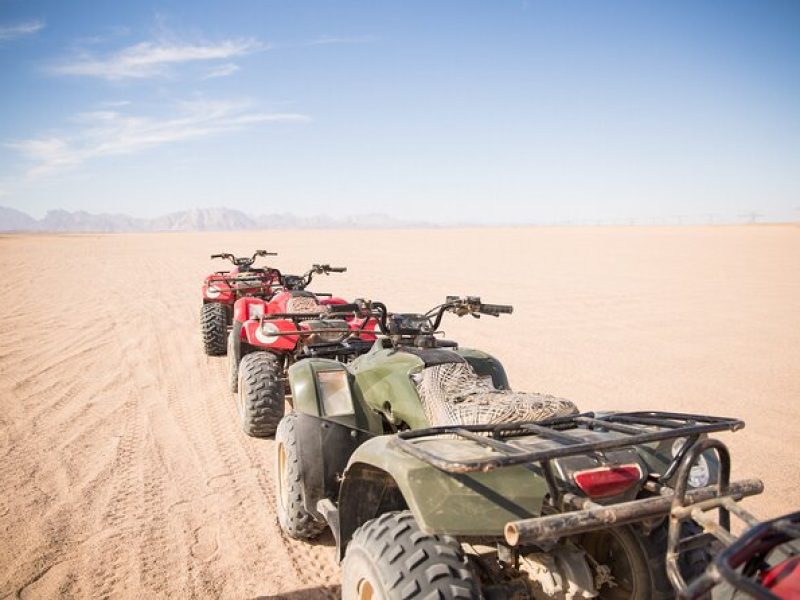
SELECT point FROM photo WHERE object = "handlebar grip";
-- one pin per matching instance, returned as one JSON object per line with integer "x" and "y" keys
{"x": 337, "y": 269}
{"x": 217, "y": 256}
{"x": 496, "y": 309}
{"x": 343, "y": 308}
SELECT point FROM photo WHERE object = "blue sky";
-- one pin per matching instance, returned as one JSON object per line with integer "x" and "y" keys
{"x": 491, "y": 112}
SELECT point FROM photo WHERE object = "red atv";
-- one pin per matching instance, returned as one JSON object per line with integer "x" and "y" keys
{"x": 221, "y": 290}
{"x": 269, "y": 336}
{"x": 762, "y": 563}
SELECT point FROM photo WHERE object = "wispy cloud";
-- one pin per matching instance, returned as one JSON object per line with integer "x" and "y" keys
{"x": 10, "y": 32}
{"x": 222, "y": 71}
{"x": 325, "y": 40}
{"x": 109, "y": 133}
{"x": 151, "y": 59}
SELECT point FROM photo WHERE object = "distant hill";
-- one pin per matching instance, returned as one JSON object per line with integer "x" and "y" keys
{"x": 196, "y": 219}
{"x": 15, "y": 220}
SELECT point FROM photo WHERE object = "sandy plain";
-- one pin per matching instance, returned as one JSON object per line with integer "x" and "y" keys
{"x": 122, "y": 469}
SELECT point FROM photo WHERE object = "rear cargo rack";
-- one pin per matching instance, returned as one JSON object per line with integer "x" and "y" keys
{"x": 635, "y": 428}
{"x": 567, "y": 437}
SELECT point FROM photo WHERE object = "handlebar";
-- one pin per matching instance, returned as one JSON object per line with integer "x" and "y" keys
{"x": 407, "y": 324}
{"x": 243, "y": 261}
{"x": 304, "y": 280}
{"x": 496, "y": 309}
{"x": 319, "y": 269}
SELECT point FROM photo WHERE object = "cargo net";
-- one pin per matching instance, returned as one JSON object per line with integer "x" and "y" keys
{"x": 453, "y": 394}
{"x": 303, "y": 304}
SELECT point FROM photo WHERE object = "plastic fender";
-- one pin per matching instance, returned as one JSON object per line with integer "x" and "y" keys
{"x": 384, "y": 379}
{"x": 368, "y": 333}
{"x": 486, "y": 365}
{"x": 241, "y": 308}
{"x": 303, "y": 384}
{"x": 277, "y": 303}
{"x": 216, "y": 289}
{"x": 305, "y": 392}
{"x": 252, "y": 333}
{"x": 471, "y": 504}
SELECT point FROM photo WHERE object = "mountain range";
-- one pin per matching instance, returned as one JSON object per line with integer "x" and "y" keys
{"x": 195, "y": 219}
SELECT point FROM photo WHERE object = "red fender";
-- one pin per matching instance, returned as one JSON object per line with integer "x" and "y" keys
{"x": 254, "y": 335}
{"x": 783, "y": 579}
{"x": 368, "y": 334}
{"x": 216, "y": 289}
{"x": 241, "y": 310}
{"x": 277, "y": 304}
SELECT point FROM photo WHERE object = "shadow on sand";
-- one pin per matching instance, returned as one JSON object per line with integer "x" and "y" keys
{"x": 316, "y": 593}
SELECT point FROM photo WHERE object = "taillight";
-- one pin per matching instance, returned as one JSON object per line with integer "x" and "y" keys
{"x": 604, "y": 482}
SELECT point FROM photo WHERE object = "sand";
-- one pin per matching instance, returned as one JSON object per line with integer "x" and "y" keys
{"x": 122, "y": 467}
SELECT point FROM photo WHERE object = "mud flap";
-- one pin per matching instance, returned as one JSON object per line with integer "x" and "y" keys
{"x": 324, "y": 448}
{"x": 236, "y": 341}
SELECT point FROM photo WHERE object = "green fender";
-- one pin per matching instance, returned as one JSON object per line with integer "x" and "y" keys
{"x": 473, "y": 504}
{"x": 306, "y": 394}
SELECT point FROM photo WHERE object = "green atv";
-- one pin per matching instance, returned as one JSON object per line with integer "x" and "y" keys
{"x": 438, "y": 481}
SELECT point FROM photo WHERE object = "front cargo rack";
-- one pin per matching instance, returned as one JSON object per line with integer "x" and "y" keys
{"x": 636, "y": 428}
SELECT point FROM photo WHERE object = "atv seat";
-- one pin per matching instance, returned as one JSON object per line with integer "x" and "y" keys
{"x": 453, "y": 394}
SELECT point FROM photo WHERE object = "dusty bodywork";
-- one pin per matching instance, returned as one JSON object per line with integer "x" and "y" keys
{"x": 222, "y": 289}
{"x": 270, "y": 335}
{"x": 558, "y": 504}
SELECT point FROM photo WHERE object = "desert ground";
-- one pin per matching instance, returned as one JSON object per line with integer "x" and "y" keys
{"x": 122, "y": 469}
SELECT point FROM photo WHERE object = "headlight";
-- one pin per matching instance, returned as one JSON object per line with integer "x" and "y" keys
{"x": 266, "y": 333}
{"x": 254, "y": 311}
{"x": 212, "y": 292}
{"x": 699, "y": 474}
{"x": 335, "y": 391}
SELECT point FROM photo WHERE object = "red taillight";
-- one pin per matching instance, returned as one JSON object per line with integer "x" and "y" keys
{"x": 604, "y": 482}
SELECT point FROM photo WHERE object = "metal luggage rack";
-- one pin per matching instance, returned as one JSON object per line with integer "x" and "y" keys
{"x": 636, "y": 428}
{"x": 570, "y": 514}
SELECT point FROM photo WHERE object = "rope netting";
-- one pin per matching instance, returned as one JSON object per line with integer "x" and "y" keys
{"x": 303, "y": 304}
{"x": 453, "y": 394}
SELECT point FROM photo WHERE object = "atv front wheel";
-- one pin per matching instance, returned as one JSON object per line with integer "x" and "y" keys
{"x": 260, "y": 401}
{"x": 214, "y": 326}
{"x": 293, "y": 517}
{"x": 390, "y": 558}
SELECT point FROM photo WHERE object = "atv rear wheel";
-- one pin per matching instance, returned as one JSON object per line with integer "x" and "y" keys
{"x": 637, "y": 562}
{"x": 261, "y": 400}
{"x": 293, "y": 517}
{"x": 391, "y": 558}
{"x": 214, "y": 326}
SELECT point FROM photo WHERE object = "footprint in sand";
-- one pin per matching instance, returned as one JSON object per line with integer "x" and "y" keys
{"x": 220, "y": 482}
{"x": 205, "y": 544}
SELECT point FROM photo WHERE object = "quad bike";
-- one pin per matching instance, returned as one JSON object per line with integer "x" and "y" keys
{"x": 221, "y": 290}
{"x": 437, "y": 480}
{"x": 269, "y": 336}
{"x": 762, "y": 563}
